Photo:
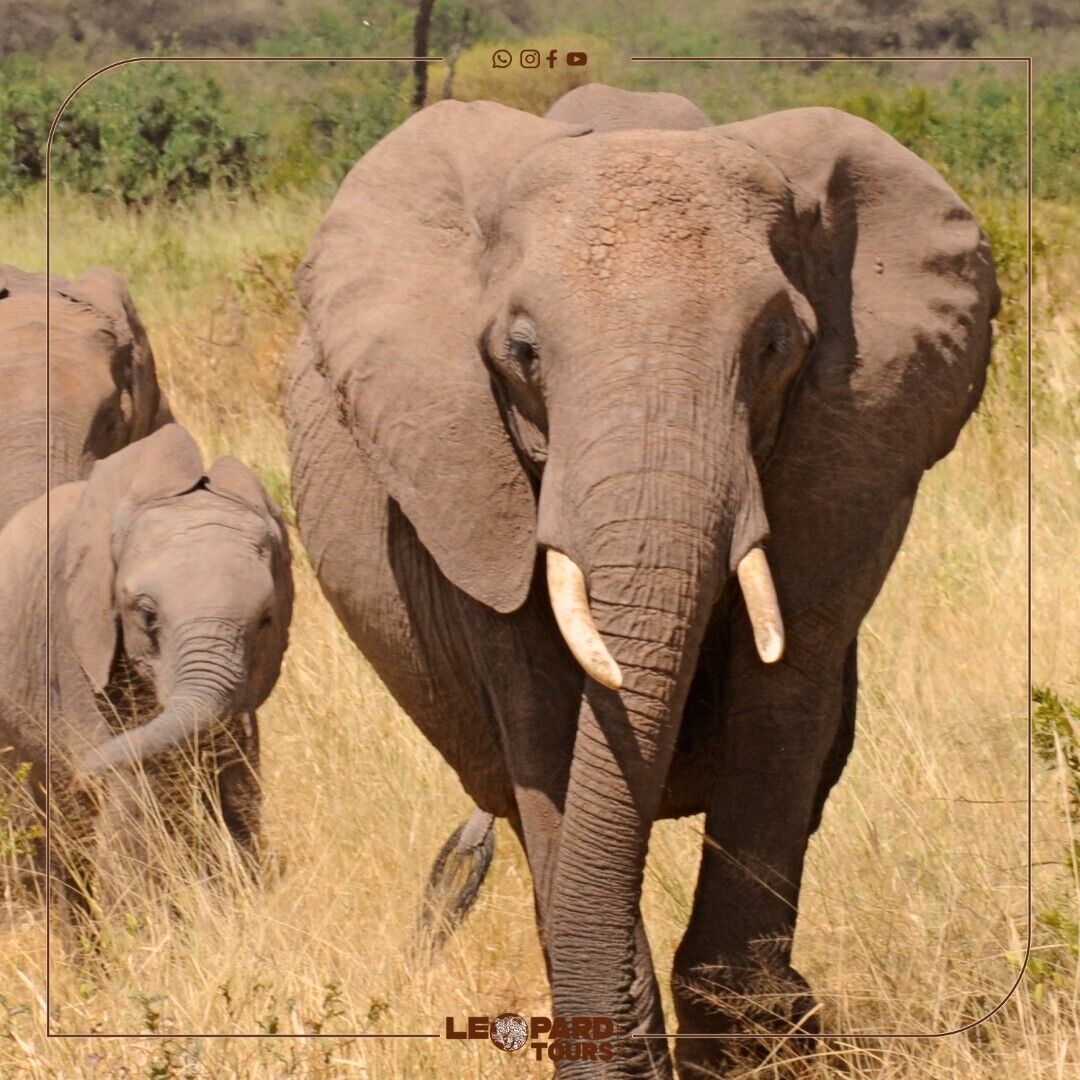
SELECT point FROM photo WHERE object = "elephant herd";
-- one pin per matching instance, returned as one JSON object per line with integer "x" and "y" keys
{"x": 605, "y": 428}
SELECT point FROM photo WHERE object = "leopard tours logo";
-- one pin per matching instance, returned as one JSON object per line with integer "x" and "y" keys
{"x": 564, "y": 1038}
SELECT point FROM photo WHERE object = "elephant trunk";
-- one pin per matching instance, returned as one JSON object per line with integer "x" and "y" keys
{"x": 570, "y": 604}
{"x": 208, "y": 675}
{"x": 667, "y": 530}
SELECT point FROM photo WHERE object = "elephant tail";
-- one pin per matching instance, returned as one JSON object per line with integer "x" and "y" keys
{"x": 455, "y": 879}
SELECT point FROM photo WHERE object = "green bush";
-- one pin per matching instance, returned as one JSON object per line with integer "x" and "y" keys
{"x": 156, "y": 131}
{"x": 161, "y": 129}
{"x": 1056, "y": 149}
{"x": 332, "y": 130}
{"x": 26, "y": 110}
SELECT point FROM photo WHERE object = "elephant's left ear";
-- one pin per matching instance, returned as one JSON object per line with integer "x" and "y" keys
{"x": 231, "y": 477}
{"x": 104, "y": 291}
{"x": 896, "y": 268}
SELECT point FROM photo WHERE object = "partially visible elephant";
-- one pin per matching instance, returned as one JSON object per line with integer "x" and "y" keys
{"x": 100, "y": 392}
{"x": 607, "y": 108}
{"x": 603, "y": 443}
{"x": 171, "y": 594}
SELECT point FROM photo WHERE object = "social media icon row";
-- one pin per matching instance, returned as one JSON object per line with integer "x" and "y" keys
{"x": 530, "y": 58}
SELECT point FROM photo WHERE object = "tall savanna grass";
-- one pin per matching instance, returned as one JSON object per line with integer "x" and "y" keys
{"x": 914, "y": 913}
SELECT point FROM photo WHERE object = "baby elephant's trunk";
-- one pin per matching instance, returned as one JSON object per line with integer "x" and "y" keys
{"x": 182, "y": 720}
{"x": 209, "y": 676}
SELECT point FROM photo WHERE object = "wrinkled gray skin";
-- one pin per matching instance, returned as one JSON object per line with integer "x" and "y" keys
{"x": 168, "y": 588}
{"x": 103, "y": 391}
{"x": 650, "y": 350}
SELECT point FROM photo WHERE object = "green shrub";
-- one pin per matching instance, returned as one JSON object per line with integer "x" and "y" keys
{"x": 1056, "y": 738}
{"x": 156, "y": 131}
{"x": 1056, "y": 149}
{"x": 332, "y": 130}
{"x": 26, "y": 111}
{"x": 18, "y": 830}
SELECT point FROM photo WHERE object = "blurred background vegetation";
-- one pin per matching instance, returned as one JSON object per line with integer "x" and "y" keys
{"x": 160, "y": 131}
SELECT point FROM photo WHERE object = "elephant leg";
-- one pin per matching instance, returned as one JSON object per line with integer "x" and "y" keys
{"x": 783, "y": 739}
{"x": 541, "y": 845}
{"x": 239, "y": 791}
{"x": 845, "y": 735}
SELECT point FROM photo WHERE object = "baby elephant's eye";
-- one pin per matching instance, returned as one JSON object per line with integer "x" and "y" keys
{"x": 146, "y": 613}
{"x": 266, "y": 621}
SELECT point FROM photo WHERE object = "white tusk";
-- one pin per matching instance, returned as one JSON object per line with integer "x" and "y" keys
{"x": 758, "y": 590}
{"x": 570, "y": 602}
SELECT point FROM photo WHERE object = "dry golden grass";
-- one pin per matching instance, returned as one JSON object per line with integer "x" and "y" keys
{"x": 914, "y": 912}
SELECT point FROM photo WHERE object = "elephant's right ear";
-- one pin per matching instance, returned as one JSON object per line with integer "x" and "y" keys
{"x": 390, "y": 288}
{"x": 166, "y": 463}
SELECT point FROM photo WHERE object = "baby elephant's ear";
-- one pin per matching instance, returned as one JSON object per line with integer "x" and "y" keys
{"x": 167, "y": 463}
{"x": 234, "y": 480}
{"x": 231, "y": 477}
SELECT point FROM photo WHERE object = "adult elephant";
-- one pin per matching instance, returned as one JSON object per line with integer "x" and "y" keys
{"x": 99, "y": 394}
{"x": 557, "y": 393}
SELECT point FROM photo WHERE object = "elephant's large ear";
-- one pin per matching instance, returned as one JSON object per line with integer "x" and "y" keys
{"x": 231, "y": 477}
{"x": 390, "y": 288}
{"x": 105, "y": 291}
{"x": 896, "y": 267}
{"x": 164, "y": 464}
{"x": 903, "y": 287}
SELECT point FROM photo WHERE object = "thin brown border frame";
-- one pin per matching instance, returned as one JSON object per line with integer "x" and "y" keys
{"x": 854, "y": 1036}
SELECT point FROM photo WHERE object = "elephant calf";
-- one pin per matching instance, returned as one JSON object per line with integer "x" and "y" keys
{"x": 170, "y": 593}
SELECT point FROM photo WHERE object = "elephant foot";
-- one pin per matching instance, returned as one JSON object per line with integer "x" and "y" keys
{"x": 758, "y": 995}
{"x": 455, "y": 879}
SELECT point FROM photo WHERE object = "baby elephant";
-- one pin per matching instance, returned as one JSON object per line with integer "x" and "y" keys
{"x": 170, "y": 593}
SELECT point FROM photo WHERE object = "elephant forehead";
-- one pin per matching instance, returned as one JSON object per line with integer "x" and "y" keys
{"x": 201, "y": 525}
{"x": 674, "y": 211}
{"x": 211, "y": 577}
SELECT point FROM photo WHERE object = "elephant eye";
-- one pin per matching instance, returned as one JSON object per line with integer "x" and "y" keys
{"x": 266, "y": 620}
{"x": 146, "y": 613}
{"x": 522, "y": 352}
{"x": 521, "y": 344}
{"x": 775, "y": 339}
